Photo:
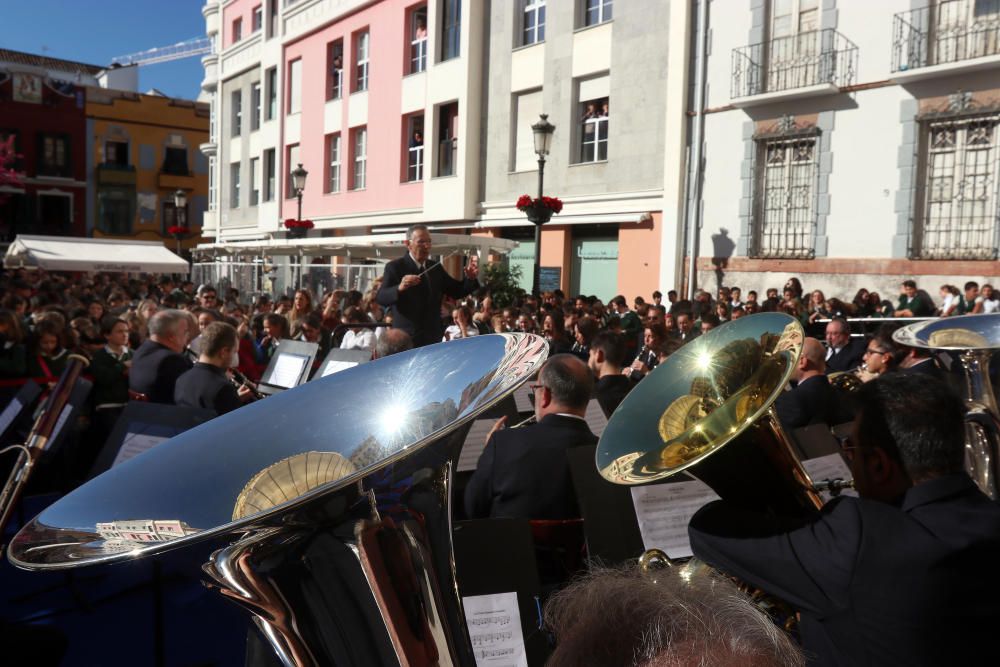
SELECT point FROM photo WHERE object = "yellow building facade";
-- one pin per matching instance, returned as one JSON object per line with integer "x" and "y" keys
{"x": 141, "y": 150}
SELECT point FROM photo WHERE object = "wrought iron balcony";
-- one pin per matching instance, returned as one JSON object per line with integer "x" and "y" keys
{"x": 807, "y": 60}
{"x": 946, "y": 32}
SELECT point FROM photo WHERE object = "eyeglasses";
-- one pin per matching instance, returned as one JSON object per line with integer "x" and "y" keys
{"x": 844, "y": 441}
{"x": 871, "y": 351}
{"x": 535, "y": 387}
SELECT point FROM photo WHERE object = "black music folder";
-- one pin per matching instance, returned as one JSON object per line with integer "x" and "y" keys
{"x": 289, "y": 366}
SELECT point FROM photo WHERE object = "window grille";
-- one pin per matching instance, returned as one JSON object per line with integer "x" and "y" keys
{"x": 957, "y": 218}
{"x": 784, "y": 220}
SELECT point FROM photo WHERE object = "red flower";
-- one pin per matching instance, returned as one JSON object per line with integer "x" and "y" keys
{"x": 177, "y": 230}
{"x": 524, "y": 202}
{"x": 292, "y": 223}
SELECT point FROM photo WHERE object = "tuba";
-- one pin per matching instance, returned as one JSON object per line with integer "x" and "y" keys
{"x": 975, "y": 338}
{"x": 336, "y": 495}
{"x": 708, "y": 411}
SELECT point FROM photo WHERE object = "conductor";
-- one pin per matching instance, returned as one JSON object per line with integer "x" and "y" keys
{"x": 412, "y": 287}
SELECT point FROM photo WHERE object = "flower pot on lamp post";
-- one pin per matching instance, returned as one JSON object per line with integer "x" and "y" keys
{"x": 180, "y": 230}
{"x": 537, "y": 210}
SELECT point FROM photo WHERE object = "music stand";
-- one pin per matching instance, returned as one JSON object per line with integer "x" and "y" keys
{"x": 289, "y": 367}
{"x": 142, "y": 426}
{"x": 19, "y": 406}
{"x": 77, "y": 398}
{"x": 338, "y": 360}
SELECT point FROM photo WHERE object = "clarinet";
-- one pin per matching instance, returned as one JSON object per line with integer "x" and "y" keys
{"x": 241, "y": 380}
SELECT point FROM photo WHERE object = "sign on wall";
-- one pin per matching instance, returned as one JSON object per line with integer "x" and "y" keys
{"x": 548, "y": 278}
{"x": 27, "y": 88}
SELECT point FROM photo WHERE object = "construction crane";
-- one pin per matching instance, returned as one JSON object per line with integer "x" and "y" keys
{"x": 197, "y": 46}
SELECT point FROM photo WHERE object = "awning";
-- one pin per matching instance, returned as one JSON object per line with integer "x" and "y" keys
{"x": 63, "y": 253}
{"x": 372, "y": 246}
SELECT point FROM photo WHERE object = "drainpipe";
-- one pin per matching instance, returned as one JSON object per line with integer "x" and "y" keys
{"x": 698, "y": 138}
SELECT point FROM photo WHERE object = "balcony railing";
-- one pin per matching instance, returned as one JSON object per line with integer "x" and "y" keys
{"x": 799, "y": 61}
{"x": 946, "y": 32}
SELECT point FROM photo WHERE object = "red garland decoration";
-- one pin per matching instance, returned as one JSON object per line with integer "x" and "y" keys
{"x": 177, "y": 230}
{"x": 524, "y": 202}
{"x": 292, "y": 223}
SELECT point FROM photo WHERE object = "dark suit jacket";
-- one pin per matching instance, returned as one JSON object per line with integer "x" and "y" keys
{"x": 417, "y": 310}
{"x": 876, "y": 584}
{"x": 155, "y": 369}
{"x": 610, "y": 391}
{"x": 206, "y": 386}
{"x": 849, "y": 357}
{"x": 812, "y": 401}
{"x": 928, "y": 367}
{"x": 523, "y": 473}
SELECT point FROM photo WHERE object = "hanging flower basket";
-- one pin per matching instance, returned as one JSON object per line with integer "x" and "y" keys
{"x": 178, "y": 232}
{"x": 540, "y": 209}
{"x": 297, "y": 228}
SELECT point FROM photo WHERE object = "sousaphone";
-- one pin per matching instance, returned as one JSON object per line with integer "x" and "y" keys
{"x": 338, "y": 495}
{"x": 708, "y": 411}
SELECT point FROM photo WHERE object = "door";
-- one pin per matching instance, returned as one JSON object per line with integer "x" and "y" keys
{"x": 794, "y": 47}
{"x": 595, "y": 267}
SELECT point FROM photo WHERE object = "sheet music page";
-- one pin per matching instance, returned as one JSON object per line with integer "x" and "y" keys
{"x": 831, "y": 466}
{"x": 664, "y": 510}
{"x": 334, "y": 366}
{"x": 595, "y": 418}
{"x": 135, "y": 444}
{"x": 474, "y": 445}
{"x": 9, "y": 413}
{"x": 287, "y": 370}
{"x": 495, "y": 630}
{"x": 521, "y": 399}
{"x": 57, "y": 429}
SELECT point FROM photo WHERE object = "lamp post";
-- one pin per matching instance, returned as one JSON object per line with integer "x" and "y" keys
{"x": 180, "y": 214}
{"x": 299, "y": 184}
{"x": 542, "y": 131}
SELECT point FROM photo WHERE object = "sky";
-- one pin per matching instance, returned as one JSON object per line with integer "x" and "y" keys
{"x": 95, "y": 31}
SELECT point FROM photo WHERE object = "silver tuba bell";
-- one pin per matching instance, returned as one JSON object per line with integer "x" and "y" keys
{"x": 337, "y": 494}
{"x": 975, "y": 338}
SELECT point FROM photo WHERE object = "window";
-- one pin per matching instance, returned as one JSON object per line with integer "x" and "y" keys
{"x": 335, "y": 67}
{"x": 234, "y": 185}
{"x": 115, "y": 206}
{"x": 418, "y": 39}
{"x": 271, "y": 83}
{"x": 237, "y": 107}
{"x": 272, "y": 21}
{"x": 212, "y": 204}
{"x": 175, "y": 161}
{"x": 255, "y": 106}
{"x": 447, "y": 139}
{"x": 55, "y": 214}
{"x": 528, "y": 106}
{"x": 116, "y": 153}
{"x": 794, "y": 44}
{"x": 258, "y": 19}
{"x": 415, "y": 148}
{"x": 53, "y": 155}
{"x": 295, "y": 86}
{"x": 957, "y": 208}
{"x": 359, "y": 149}
{"x": 784, "y": 212}
{"x": 169, "y": 218}
{"x": 237, "y": 30}
{"x": 254, "y": 181}
{"x": 361, "y": 51}
{"x": 291, "y": 162}
{"x": 270, "y": 168}
{"x": 211, "y": 119}
{"x": 532, "y": 21}
{"x": 451, "y": 28}
{"x": 333, "y": 162}
{"x": 594, "y": 130}
{"x": 596, "y": 11}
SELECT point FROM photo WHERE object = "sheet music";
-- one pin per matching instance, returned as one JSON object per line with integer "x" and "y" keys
{"x": 334, "y": 366}
{"x": 522, "y": 400}
{"x": 57, "y": 429}
{"x": 495, "y": 630}
{"x": 664, "y": 510}
{"x": 287, "y": 370}
{"x": 135, "y": 444}
{"x": 595, "y": 418}
{"x": 10, "y": 413}
{"x": 831, "y": 466}
{"x": 474, "y": 445}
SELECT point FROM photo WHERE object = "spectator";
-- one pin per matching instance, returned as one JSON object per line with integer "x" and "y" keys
{"x": 950, "y": 300}
{"x": 302, "y": 305}
{"x": 991, "y": 304}
{"x": 461, "y": 325}
{"x": 913, "y": 304}
{"x": 357, "y": 338}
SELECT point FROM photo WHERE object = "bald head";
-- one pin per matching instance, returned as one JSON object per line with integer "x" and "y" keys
{"x": 392, "y": 341}
{"x": 568, "y": 385}
{"x": 812, "y": 361}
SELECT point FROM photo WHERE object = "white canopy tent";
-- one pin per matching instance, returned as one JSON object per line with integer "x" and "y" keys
{"x": 371, "y": 246}
{"x": 61, "y": 253}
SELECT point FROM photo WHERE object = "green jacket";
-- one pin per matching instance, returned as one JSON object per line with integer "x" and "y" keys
{"x": 110, "y": 378}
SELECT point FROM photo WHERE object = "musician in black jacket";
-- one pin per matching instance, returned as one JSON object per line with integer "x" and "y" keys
{"x": 812, "y": 400}
{"x": 607, "y": 354}
{"x": 905, "y": 574}
{"x": 412, "y": 287}
{"x": 160, "y": 360}
{"x": 207, "y": 385}
{"x": 523, "y": 472}
{"x": 843, "y": 352}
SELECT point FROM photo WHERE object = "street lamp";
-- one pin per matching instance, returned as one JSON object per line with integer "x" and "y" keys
{"x": 180, "y": 213}
{"x": 299, "y": 184}
{"x": 542, "y": 131}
